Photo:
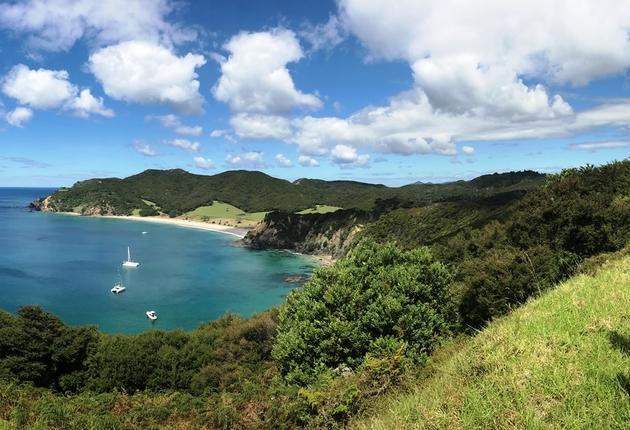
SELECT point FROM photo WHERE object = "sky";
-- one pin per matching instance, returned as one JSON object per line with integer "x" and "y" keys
{"x": 378, "y": 91}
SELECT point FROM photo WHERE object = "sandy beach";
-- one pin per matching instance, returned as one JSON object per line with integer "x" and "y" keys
{"x": 235, "y": 231}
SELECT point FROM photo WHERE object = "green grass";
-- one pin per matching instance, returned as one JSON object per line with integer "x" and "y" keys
{"x": 560, "y": 361}
{"x": 320, "y": 209}
{"x": 225, "y": 212}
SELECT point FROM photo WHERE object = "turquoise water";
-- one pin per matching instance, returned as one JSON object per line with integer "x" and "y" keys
{"x": 68, "y": 264}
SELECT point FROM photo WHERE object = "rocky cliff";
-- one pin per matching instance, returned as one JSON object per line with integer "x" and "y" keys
{"x": 317, "y": 234}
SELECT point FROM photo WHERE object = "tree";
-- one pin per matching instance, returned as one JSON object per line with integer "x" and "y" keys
{"x": 347, "y": 310}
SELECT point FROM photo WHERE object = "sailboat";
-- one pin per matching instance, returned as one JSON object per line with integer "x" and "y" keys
{"x": 129, "y": 262}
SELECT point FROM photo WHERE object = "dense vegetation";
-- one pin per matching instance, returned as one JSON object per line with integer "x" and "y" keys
{"x": 175, "y": 192}
{"x": 504, "y": 250}
{"x": 225, "y": 370}
{"x": 413, "y": 277}
{"x": 561, "y": 361}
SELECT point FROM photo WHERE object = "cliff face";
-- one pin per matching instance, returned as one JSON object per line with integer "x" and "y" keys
{"x": 48, "y": 204}
{"x": 318, "y": 234}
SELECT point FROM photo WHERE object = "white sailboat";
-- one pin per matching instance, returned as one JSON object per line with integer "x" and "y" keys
{"x": 129, "y": 262}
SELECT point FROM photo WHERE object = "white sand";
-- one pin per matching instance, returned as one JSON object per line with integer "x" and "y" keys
{"x": 235, "y": 231}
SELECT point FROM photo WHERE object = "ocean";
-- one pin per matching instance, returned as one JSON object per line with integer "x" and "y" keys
{"x": 68, "y": 264}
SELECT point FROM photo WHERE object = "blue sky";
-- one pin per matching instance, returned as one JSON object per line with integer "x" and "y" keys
{"x": 348, "y": 89}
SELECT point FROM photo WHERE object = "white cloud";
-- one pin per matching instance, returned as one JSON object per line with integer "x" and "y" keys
{"x": 324, "y": 36}
{"x": 250, "y": 159}
{"x": 347, "y": 156}
{"x": 47, "y": 89}
{"x": 306, "y": 161}
{"x": 595, "y": 146}
{"x": 145, "y": 72}
{"x": 86, "y": 104}
{"x": 39, "y": 89}
{"x": 55, "y": 25}
{"x": 144, "y": 148}
{"x": 184, "y": 144}
{"x": 468, "y": 150}
{"x": 283, "y": 161}
{"x": 172, "y": 121}
{"x": 19, "y": 116}
{"x": 256, "y": 126}
{"x": 219, "y": 132}
{"x": 480, "y": 74}
{"x": 562, "y": 42}
{"x": 203, "y": 163}
{"x": 254, "y": 78}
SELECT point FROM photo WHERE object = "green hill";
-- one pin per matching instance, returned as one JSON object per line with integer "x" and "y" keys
{"x": 176, "y": 192}
{"x": 560, "y": 361}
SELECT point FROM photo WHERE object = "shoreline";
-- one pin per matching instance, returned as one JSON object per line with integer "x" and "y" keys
{"x": 320, "y": 259}
{"x": 234, "y": 231}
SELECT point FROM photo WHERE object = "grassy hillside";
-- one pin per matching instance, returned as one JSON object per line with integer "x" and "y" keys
{"x": 560, "y": 361}
{"x": 175, "y": 192}
{"x": 225, "y": 213}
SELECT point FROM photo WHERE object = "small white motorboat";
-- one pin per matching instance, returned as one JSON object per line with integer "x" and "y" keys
{"x": 129, "y": 262}
{"x": 144, "y": 232}
{"x": 152, "y": 315}
{"x": 118, "y": 288}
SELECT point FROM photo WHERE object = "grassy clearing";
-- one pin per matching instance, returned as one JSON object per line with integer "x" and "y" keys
{"x": 225, "y": 213}
{"x": 560, "y": 361}
{"x": 320, "y": 209}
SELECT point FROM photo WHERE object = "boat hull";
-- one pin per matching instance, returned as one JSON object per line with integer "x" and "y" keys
{"x": 130, "y": 264}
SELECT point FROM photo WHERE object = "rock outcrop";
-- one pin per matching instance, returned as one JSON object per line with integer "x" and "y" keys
{"x": 317, "y": 234}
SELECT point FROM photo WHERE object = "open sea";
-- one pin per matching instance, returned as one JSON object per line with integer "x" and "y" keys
{"x": 68, "y": 264}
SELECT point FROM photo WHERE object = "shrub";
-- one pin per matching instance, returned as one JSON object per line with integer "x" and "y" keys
{"x": 345, "y": 310}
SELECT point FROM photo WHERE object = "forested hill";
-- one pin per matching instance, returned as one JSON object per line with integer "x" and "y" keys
{"x": 175, "y": 192}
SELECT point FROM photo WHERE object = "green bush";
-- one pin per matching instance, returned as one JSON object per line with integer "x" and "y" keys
{"x": 346, "y": 310}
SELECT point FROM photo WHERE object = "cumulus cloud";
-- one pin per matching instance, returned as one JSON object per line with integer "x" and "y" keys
{"x": 203, "y": 163}
{"x": 563, "y": 43}
{"x": 250, "y": 159}
{"x": 256, "y": 126}
{"x": 86, "y": 104}
{"x": 47, "y": 89}
{"x": 283, "y": 161}
{"x": 348, "y": 156}
{"x": 19, "y": 116}
{"x": 144, "y": 148}
{"x": 55, "y": 25}
{"x": 184, "y": 144}
{"x": 146, "y": 72}
{"x": 254, "y": 78}
{"x": 468, "y": 150}
{"x": 39, "y": 89}
{"x": 172, "y": 121}
{"x": 306, "y": 161}
{"x": 481, "y": 74}
{"x": 595, "y": 146}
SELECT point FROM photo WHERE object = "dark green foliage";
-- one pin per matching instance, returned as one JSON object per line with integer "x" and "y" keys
{"x": 176, "y": 192}
{"x": 149, "y": 211}
{"x": 510, "y": 246}
{"x": 37, "y": 347}
{"x": 348, "y": 310}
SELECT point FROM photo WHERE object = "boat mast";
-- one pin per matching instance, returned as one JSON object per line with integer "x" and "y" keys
{"x": 128, "y": 254}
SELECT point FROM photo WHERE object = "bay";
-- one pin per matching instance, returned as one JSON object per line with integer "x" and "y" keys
{"x": 68, "y": 264}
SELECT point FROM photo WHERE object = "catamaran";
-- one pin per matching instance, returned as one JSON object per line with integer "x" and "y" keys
{"x": 129, "y": 262}
{"x": 152, "y": 315}
{"x": 118, "y": 288}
